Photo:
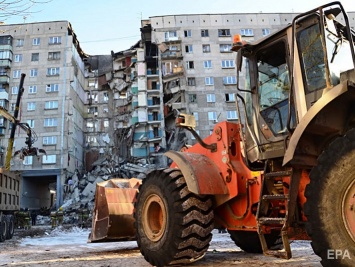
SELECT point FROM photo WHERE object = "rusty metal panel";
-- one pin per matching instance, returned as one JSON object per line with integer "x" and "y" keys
{"x": 113, "y": 212}
{"x": 202, "y": 175}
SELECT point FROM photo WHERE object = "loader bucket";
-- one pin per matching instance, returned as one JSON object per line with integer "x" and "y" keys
{"x": 113, "y": 212}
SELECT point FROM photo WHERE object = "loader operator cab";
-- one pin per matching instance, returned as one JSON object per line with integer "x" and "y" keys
{"x": 286, "y": 74}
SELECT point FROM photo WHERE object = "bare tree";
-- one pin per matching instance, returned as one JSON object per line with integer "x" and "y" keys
{"x": 9, "y": 8}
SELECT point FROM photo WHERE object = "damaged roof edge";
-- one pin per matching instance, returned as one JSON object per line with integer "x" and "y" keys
{"x": 127, "y": 51}
{"x": 76, "y": 42}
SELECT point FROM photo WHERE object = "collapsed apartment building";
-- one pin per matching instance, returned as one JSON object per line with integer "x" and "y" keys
{"x": 183, "y": 63}
{"x": 139, "y": 105}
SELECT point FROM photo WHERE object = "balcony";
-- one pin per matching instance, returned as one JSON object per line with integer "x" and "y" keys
{"x": 5, "y": 63}
{"x": 153, "y": 91}
{"x": 175, "y": 72}
{"x": 5, "y": 97}
{"x": 4, "y": 79}
{"x": 152, "y": 72}
{"x": 171, "y": 54}
{"x": 172, "y": 39}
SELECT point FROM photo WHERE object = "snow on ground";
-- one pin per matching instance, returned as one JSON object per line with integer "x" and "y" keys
{"x": 68, "y": 247}
{"x": 76, "y": 238}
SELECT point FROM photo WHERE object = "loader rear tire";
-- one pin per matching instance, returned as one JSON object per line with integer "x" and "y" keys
{"x": 330, "y": 206}
{"x": 250, "y": 242}
{"x": 173, "y": 225}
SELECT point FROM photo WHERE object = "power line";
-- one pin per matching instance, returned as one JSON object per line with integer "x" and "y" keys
{"x": 111, "y": 39}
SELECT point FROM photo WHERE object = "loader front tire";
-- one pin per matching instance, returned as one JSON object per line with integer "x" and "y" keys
{"x": 173, "y": 225}
{"x": 330, "y": 206}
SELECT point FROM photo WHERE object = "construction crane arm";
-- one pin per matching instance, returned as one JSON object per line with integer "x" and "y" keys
{"x": 31, "y": 135}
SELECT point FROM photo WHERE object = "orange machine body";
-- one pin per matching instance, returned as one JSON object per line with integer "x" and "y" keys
{"x": 223, "y": 173}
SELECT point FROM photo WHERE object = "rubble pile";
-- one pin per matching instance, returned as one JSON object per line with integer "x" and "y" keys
{"x": 79, "y": 190}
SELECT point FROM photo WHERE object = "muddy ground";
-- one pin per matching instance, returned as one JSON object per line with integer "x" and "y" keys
{"x": 42, "y": 246}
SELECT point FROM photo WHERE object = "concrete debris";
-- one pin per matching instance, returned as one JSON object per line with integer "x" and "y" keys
{"x": 79, "y": 190}
{"x": 89, "y": 190}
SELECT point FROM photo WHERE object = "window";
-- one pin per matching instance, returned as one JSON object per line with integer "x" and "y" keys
{"x": 31, "y": 106}
{"x": 209, "y": 81}
{"x": 91, "y": 139}
{"x": 52, "y": 88}
{"x": 16, "y": 74}
{"x": 224, "y": 32}
{"x": 55, "y": 40}
{"x": 51, "y": 105}
{"x": 170, "y": 35}
{"x": 191, "y": 81}
{"x": 32, "y": 89}
{"x": 196, "y": 116}
{"x": 14, "y": 90}
{"x": 31, "y": 123}
{"x": 230, "y": 97}
{"x": 53, "y": 55}
{"x": 225, "y": 48}
{"x": 189, "y": 64}
{"x": 230, "y": 80}
{"x": 49, "y": 159}
{"x": 206, "y": 48}
{"x": 204, "y": 33}
{"x": 52, "y": 71}
{"x": 228, "y": 64}
{"x": 266, "y": 32}
{"x": 36, "y": 41}
{"x": 50, "y": 122}
{"x": 246, "y": 32}
{"x": 211, "y": 98}
{"x": 33, "y": 73}
{"x": 106, "y": 123}
{"x": 187, "y": 33}
{"x": 310, "y": 45}
{"x": 20, "y": 42}
{"x": 12, "y": 106}
{"x": 90, "y": 126}
{"x": 5, "y": 54}
{"x": 27, "y": 160}
{"x": 188, "y": 49}
{"x": 92, "y": 110}
{"x": 192, "y": 98}
{"x": 212, "y": 116}
{"x": 105, "y": 97}
{"x": 207, "y": 64}
{"x": 232, "y": 115}
{"x": 35, "y": 57}
{"x": 18, "y": 58}
{"x": 49, "y": 140}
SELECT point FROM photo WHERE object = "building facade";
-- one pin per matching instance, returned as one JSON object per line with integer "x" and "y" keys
{"x": 52, "y": 104}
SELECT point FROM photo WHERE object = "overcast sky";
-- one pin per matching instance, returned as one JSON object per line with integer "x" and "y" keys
{"x": 102, "y": 26}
